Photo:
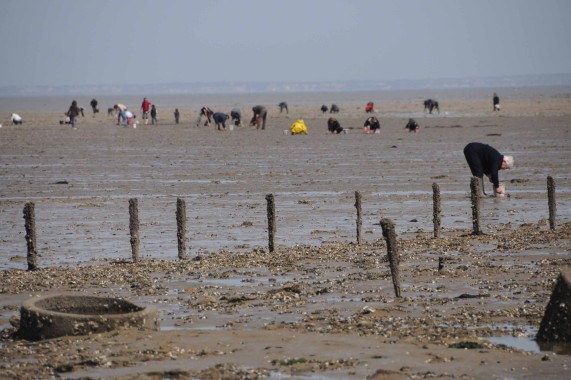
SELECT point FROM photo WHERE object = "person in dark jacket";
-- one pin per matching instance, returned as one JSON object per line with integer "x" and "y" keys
{"x": 430, "y": 105}
{"x": 333, "y": 126}
{"x": 334, "y": 109}
{"x": 324, "y": 108}
{"x": 496, "y": 102}
{"x": 283, "y": 106}
{"x": 236, "y": 116}
{"x": 260, "y": 112}
{"x": 176, "y": 115}
{"x": 372, "y": 124}
{"x": 154, "y": 115}
{"x": 412, "y": 126}
{"x": 483, "y": 159}
{"x": 73, "y": 113}
{"x": 94, "y": 106}
{"x": 220, "y": 120}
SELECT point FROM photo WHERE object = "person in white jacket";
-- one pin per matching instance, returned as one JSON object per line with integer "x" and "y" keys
{"x": 16, "y": 119}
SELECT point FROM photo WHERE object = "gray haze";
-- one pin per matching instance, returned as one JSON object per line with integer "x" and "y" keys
{"x": 87, "y": 42}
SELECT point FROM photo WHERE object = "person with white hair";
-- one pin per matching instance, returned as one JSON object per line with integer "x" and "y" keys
{"x": 483, "y": 159}
{"x": 16, "y": 119}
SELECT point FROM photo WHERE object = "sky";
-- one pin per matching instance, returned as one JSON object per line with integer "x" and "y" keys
{"x": 106, "y": 42}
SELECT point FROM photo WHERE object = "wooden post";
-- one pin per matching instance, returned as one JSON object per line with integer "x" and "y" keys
{"x": 271, "y": 222}
{"x": 181, "y": 227}
{"x": 551, "y": 202}
{"x": 30, "y": 225}
{"x": 436, "y": 209}
{"x": 475, "y": 198}
{"x": 359, "y": 216}
{"x": 134, "y": 228}
{"x": 392, "y": 251}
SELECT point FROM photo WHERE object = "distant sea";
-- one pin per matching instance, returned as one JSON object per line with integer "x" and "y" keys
{"x": 23, "y": 99}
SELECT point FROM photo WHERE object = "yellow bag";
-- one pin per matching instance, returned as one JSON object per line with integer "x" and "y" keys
{"x": 298, "y": 127}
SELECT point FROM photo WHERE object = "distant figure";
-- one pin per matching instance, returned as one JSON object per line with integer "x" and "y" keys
{"x": 16, "y": 119}
{"x": 324, "y": 108}
{"x": 298, "y": 127}
{"x": 176, "y": 115}
{"x": 220, "y": 120}
{"x": 81, "y": 111}
{"x": 260, "y": 112}
{"x": 283, "y": 106}
{"x": 236, "y": 116}
{"x": 93, "y": 104}
{"x": 496, "y": 102}
{"x": 154, "y": 119}
{"x": 110, "y": 111}
{"x": 207, "y": 113}
{"x": 430, "y": 105}
{"x": 483, "y": 159}
{"x": 333, "y": 126}
{"x": 145, "y": 108}
{"x": 73, "y": 113}
{"x": 412, "y": 126}
{"x": 334, "y": 109}
{"x": 372, "y": 124}
{"x": 370, "y": 107}
{"x": 120, "y": 109}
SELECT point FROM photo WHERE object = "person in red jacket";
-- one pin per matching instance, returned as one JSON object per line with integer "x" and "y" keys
{"x": 145, "y": 107}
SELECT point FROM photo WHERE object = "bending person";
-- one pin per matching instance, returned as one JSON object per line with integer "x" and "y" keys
{"x": 260, "y": 112}
{"x": 483, "y": 159}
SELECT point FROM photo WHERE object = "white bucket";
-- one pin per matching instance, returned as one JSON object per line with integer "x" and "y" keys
{"x": 286, "y": 132}
{"x": 346, "y": 131}
{"x": 231, "y": 127}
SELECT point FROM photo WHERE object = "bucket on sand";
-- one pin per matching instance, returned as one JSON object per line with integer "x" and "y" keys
{"x": 286, "y": 132}
{"x": 231, "y": 127}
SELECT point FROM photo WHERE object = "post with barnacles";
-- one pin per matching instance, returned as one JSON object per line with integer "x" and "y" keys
{"x": 436, "y": 209}
{"x": 134, "y": 228}
{"x": 475, "y": 198}
{"x": 359, "y": 216}
{"x": 551, "y": 202}
{"x": 30, "y": 225}
{"x": 271, "y": 222}
{"x": 181, "y": 227}
{"x": 392, "y": 251}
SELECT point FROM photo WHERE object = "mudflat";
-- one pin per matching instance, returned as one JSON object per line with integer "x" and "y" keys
{"x": 321, "y": 306}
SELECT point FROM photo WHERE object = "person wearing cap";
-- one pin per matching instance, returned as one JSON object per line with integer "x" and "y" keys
{"x": 483, "y": 159}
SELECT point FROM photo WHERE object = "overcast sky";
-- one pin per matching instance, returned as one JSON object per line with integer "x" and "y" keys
{"x": 95, "y": 42}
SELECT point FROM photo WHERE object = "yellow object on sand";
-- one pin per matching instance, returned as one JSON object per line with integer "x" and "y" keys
{"x": 298, "y": 127}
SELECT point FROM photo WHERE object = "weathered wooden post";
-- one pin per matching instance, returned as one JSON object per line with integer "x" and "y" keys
{"x": 475, "y": 198}
{"x": 271, "y": 222}
{"x": 359, "y": 216}
{"x": 436, "y": 209}
{"x": 392, "y": 251}
{"x": 134, "y": 228}
{"x": 551, "y": 202}
{"x": 30, "y": 225}
{"x": 181, "y": 227}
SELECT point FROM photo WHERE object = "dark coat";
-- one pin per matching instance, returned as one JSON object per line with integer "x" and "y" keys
{"x": 483, "y": 159}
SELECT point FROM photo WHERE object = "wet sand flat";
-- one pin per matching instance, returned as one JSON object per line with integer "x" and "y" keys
{"x": 321, "y": 306}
